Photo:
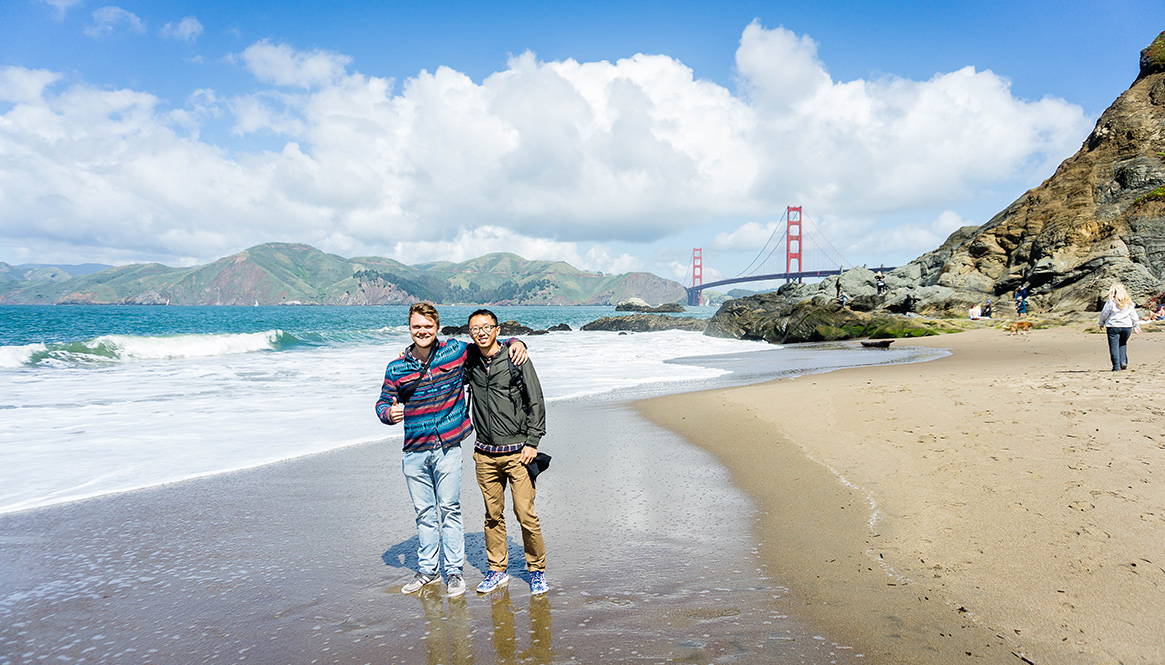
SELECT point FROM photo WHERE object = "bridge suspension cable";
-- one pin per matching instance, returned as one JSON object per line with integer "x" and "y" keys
{"x": 837, "y": 259}
{"x": 780, "y": 242}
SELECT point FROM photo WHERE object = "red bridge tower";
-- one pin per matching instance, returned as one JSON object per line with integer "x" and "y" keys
{"x": 698, "y": 273}
{"x": 793, "y": 241}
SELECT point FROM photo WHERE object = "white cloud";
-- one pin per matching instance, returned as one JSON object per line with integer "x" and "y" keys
{"x": 471, "y": 243}
{"x": 541, "y": 158}
{"x": 912, "y": 239}
{"x": 282, "y": 65}
{"x": 599, "y": 258}
{"x": 22, "y": 86}
{"x": 750, "y": 236}
{"x": 110, "y": 19}
{"x": 778, "y": 69}
{"x": 268, "y": 112}
{"x": 186, "y": 30}
{"x": 62, "y": 6}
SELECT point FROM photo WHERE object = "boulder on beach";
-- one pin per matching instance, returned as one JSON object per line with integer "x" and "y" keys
{"x": 775, "y": 319}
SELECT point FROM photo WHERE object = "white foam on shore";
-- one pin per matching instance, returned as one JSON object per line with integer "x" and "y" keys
{"x": 79, "y": 431}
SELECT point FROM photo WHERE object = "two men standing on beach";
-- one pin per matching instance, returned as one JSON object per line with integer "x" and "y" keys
{"x": 424, "y": 388}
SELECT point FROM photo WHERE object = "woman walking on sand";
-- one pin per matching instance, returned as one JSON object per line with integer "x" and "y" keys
{"x": 1119, "y": 318}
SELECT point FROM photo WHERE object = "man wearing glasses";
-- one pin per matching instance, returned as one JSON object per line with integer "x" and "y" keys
{"x": 509, "y": 415}
{"x": 424, "y": 388}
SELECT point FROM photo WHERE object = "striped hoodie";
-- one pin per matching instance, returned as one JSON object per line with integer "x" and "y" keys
{"x": 436, "y": 416}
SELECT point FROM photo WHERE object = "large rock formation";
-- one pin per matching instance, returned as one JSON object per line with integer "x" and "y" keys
{"x": 779, "y": 319}
{"x": 1099, "y": 218}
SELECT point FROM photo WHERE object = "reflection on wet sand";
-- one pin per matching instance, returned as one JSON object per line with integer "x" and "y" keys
{"x": 449, "y": 630}
{"x": 505, "y": 643}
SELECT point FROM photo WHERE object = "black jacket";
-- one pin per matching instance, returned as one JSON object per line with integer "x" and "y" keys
{"x": 504, "y": 414}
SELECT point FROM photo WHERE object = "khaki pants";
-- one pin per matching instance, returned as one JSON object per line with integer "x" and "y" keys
{"x": 493, "y": 473}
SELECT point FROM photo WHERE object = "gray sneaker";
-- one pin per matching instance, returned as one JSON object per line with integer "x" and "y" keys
{"x": 454, "y": 584}
{"x": 419, "y": 581}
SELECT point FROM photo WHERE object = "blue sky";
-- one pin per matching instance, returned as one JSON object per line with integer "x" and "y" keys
{"x": 183, "y": 131}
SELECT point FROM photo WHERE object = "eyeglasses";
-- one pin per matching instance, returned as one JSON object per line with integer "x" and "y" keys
{"x": 481, "y": 329}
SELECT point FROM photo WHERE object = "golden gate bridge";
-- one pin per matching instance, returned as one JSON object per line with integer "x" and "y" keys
{"x": 793, "y": 240}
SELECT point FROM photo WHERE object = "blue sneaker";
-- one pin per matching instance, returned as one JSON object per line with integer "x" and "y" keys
{"x": 493, "y": 580}
{"x": 538, "y": 583}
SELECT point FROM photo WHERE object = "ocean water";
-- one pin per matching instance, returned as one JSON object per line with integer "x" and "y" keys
{"x": 102, "y": 399}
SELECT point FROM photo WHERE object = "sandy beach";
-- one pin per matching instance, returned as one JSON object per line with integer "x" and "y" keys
{"x": 1003, "y": 504}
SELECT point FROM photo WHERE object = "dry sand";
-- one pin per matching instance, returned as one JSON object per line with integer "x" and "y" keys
{"x": 1003, "y": 504}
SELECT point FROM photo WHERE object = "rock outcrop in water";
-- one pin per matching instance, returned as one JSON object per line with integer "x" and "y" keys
{"x": 1099, "y": 218}
{"x": 647, "y": 323}
{"x": 640, "y": 305}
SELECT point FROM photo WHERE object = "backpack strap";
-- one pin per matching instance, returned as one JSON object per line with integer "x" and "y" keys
{"x": 518, "y": 383}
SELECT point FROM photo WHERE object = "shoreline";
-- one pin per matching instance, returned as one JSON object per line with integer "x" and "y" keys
{"x": 304, "y": 559}
{"x": 999, "y": 502}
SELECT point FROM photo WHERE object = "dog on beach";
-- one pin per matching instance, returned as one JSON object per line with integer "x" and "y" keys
{"x": 1019, "y": 328}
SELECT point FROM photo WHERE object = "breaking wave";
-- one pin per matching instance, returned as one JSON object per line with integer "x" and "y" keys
{"x": 129, "y": 348}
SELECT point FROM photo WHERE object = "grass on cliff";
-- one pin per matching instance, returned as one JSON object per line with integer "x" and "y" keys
{"x": 1156, "y": 52}
{"x": 1155, "y": 195}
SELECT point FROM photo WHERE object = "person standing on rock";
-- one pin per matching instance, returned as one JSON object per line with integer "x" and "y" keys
{"x": 1021, "y": 300}
{"x": 509, "y": 415}
{"x": 1120, "y": 320}
{"x": 424, "y": 388}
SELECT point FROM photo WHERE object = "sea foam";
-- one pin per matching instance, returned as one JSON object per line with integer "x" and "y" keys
{"x": 191, "y": 405}
{"x": 12, "y": 357}
{"x": 119, "y": 348}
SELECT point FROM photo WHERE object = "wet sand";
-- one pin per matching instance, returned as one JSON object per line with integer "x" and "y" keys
{"x": 652, "y": 557}
{"x": 1005, "y": 504}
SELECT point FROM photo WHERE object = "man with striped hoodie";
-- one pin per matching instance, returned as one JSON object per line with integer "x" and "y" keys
{"x": 424, "y": 389}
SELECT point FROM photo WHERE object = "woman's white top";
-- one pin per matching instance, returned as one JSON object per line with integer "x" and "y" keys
{"x": 1113, "y": 316}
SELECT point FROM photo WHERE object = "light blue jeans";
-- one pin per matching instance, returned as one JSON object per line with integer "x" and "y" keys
{"x": 434, "y": 481}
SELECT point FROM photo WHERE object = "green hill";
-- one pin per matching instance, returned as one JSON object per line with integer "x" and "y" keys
{"x": 298, "y": 274}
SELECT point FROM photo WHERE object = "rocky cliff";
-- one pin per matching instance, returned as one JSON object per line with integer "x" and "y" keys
{"x": 1099, "y": 218}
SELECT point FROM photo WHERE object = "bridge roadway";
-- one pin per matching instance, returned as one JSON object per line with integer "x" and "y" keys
{"x": 694, "y": 291}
